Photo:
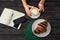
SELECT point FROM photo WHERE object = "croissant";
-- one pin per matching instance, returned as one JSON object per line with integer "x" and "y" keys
{"x": 41, "y": 27}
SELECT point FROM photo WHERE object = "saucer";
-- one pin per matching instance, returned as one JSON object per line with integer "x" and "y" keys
{"x": 35, "y": 13}
{"x": 34, "y": 17}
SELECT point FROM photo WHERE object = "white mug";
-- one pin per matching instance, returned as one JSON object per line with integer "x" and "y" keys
{"x": 34, "y": 11}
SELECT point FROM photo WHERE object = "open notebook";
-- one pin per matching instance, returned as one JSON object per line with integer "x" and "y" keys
{"x": 8, "y": 15}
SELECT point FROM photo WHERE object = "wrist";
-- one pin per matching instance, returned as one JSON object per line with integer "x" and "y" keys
{"x": 41, "y": 4}
{"x": 26, "y": 6}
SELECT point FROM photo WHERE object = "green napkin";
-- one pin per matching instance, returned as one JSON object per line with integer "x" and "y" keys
{"x": 29, "y": 34}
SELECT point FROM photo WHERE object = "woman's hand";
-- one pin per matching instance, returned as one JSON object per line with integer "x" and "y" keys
{"x": 41, "y": 7}
{"x": 27, "y": 9}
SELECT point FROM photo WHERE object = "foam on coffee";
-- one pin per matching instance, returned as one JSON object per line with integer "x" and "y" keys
{"x": 34, "y": 11}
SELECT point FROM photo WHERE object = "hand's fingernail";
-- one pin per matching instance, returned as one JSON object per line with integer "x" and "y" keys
{"x": 30, "y": 14}
{"x": 43, "y": 10}
{"x": 39, "y": 10}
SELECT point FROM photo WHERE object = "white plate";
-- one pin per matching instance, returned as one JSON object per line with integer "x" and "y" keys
{"x": 34, "y": 17}
{"x": 41, "y": 34}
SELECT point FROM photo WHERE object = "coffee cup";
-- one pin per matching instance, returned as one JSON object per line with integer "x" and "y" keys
{"x": 34, "y": 11}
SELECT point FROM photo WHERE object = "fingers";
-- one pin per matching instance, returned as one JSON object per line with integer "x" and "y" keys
{"x": 28, "y": 12}
{"x": 41, "y": 8}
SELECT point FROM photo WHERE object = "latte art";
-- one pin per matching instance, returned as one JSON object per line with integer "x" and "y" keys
{"x": 34, "y": 11}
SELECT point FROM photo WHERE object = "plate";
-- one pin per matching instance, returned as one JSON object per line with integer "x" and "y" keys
{"x": 41, "y": 34}
{"x": 34, "y": 17}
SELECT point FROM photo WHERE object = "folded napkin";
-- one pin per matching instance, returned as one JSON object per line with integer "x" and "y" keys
{"x": 29, "y": 34}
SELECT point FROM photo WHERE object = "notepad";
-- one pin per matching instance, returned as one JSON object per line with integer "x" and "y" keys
{"x": 8, "y": 15}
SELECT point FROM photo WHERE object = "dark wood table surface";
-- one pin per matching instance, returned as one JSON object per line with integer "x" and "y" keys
{"x": 52, "y": 14}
